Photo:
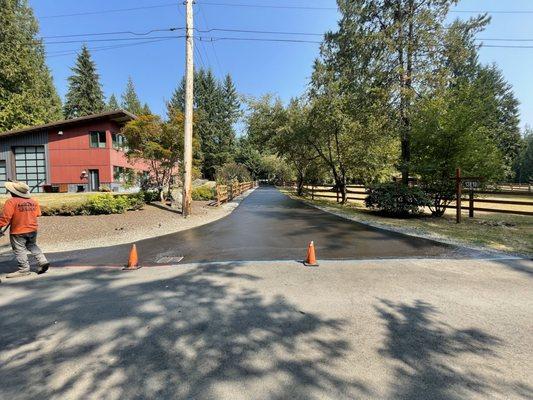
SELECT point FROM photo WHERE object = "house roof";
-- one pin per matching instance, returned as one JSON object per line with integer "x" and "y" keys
{"x": 117, "y": 115}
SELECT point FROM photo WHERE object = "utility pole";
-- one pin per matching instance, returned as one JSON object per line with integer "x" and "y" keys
{"x": 189, "y": 86}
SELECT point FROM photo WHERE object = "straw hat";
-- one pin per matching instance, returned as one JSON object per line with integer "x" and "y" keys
{"x": 19, "y": 188}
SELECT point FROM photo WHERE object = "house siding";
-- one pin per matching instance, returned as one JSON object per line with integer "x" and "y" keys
{"x": 70, "y": 153}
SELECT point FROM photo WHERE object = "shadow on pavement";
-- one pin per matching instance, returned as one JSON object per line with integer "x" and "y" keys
{"x": 425, "y": 349}
{"x": 86, "y": 335}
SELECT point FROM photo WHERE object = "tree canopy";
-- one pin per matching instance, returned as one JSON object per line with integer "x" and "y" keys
{"x": 130, "y": 99}
{"x": 85, "y": 95}
{"x": 27, "y": 93}
{"x": 217, "y": 109}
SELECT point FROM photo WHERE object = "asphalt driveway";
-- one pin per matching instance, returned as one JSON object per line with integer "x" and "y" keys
{"x": 267, "y": 226}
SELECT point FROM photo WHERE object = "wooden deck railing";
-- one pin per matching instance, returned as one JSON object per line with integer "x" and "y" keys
{"x": 524, "y": 206}
{"x": 227, "y": 193}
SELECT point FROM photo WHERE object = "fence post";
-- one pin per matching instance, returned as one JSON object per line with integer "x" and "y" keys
{"x": 458, "y": 195}
{"x": 312, "y": 192}
{"x": 471, "y": 203}
{"x": 337, "y": 191}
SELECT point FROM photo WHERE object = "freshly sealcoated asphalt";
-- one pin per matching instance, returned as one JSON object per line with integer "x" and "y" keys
{"x": 267, "y": 225}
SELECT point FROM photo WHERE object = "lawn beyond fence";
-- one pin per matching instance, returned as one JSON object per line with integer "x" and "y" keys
{"x": 227, "y": 193}
{"x": 518, "y": 202}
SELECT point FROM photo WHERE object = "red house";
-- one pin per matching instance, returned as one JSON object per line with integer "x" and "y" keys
{"x": 80, "y": 154}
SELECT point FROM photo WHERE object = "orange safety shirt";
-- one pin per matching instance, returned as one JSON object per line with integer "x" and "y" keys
{"x": 21, "y": 214}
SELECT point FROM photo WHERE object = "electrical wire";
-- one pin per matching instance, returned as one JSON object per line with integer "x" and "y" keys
{"x": 109, "y": 11}
{"x": 114, "y": 33}
{"x": 202, "y": 13}
{"x": 60, "y": 53}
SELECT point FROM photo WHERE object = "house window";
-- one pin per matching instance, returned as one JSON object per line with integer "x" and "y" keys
{"x": 119, "y": 141}
{"x": 118, "y": 174}
{"x": 98, "y": 139}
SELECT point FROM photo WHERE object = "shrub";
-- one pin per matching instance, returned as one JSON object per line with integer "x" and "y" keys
{"x": 233, "y": 171}
{"x": 150, "y": 196}
{"x": 107, "y": 203}
{"x": 396, "y": 199}
{"x": 102, "y": 203}
{"x": 203, "y": 193}
{"x": 104, "y": 188}
{"x": 65, "y": 210}
{"x": 136, "y": 201}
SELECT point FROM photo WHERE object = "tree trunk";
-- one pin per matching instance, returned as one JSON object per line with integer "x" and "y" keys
{"x": 300, "y": 186}
{"x": 340, "y": 186}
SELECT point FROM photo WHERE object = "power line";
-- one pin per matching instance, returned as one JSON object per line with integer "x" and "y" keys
{"x": 208, "y": 3}
{"x": 114, "y": 33}
{"x": 112, "y": 39}
{"x": 217, "y": 38}
{"x": 220, "y": 69}
{"x": 109, "y": 11}
{"x": 209, "y": 30}
{"x": 492, "y": 11}
{"x": 259, "y": 31}
{"x": 243, "y": 5}
{"x": 276, "y": 6}
{"x": 60, "y": 53}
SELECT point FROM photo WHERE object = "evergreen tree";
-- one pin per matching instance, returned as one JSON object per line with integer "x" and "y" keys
{"x": 524, "y": 163}
{"x": 177, "y": 101}
{"x": 501, "y": 114}
{"x": 146, "y": 110}
{"x": 113, "y": 103}
{"x": 84, "y": 94}
{"x": 27, "y": 92}
{"x": 130, "y": 100}
{"x": 216, "y": 111}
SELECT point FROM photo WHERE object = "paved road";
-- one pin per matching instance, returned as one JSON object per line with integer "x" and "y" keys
{"x": 387, "y": 329}
{"x": 268, "y": 226}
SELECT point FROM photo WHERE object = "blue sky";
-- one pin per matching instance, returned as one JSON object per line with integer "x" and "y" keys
{"x": 257, "y": 67}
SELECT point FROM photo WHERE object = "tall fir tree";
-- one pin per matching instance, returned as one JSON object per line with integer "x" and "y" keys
{"x": 130, "y": 100}
{"x": 112, "y": 104}
{"x": 146, "y": 109}
{"x": 216, "y": 111}
{"x": 27, "y": 93}
{"x": 84, "y": 94}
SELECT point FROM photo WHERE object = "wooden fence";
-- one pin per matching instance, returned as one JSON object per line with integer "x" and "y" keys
{"x": 494, "y": 198}
{"x": 227, "y": 193}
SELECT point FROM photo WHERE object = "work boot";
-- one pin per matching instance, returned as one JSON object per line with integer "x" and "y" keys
{"x": 18, "y": 274}
{"x": 43, "y": 268}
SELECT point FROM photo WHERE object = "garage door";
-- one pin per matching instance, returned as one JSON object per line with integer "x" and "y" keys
{"x": 3, "y": 176}
{"x": 30, "y": 166}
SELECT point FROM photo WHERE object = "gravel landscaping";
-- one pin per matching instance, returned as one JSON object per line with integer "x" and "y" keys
{"x": 60, "y": 233}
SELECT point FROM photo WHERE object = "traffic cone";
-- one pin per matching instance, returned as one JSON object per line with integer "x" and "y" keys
{"x": 310, "y": 260}
{"x": 133, "y": 261}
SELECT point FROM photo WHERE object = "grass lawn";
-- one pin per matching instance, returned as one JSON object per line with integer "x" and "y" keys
{"x": 55, "y": 199}
{"x": 503, "y": 232}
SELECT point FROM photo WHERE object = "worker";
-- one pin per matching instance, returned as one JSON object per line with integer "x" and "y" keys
{"x": 20, "y": 214}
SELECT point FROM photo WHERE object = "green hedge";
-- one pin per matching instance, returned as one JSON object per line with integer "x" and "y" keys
{"x": 397, "y": 200}
{"x": 203, "y": 193}
{"x": 102, "y": 203}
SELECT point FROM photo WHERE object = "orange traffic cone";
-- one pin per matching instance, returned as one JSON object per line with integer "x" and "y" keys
{"x": 310, "y": 260}
{"x": 133, "y": 261}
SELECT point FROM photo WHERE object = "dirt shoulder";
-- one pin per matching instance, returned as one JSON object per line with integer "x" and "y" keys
{"x": 60, "y": 233}
{"x": 511, "y": 234}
